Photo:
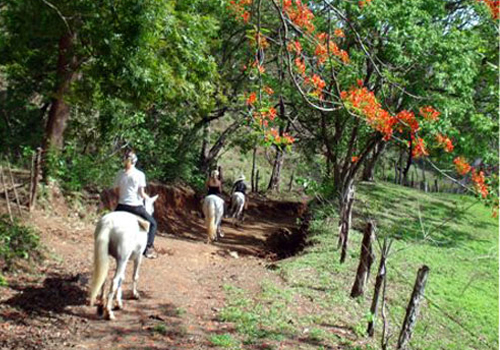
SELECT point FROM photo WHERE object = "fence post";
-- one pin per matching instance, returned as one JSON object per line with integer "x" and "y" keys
{"x": 413, "y": 306}
{"x": 14, "y": 187}
{"x": 365, "y": 261}
{"x": 34, "y": 180}
{"x": 381, "y": 274}
{"x": 6, "y": 192}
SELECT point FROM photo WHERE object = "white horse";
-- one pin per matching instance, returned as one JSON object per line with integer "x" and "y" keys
{"x": 123, "y": 236}
{"x": 237, "y": 205}
{"x": 213, "y": 209}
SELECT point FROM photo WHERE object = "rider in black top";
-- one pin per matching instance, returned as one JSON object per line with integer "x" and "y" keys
{"x": 239, "y": 185}
{"x": 214, "y": 184}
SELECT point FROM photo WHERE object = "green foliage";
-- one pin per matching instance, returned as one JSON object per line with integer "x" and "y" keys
{"x": 16, "y": 242}
{"x": 224, "y": 341}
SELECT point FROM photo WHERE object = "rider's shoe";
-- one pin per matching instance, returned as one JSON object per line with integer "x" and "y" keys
{"x": 150, "y": 253}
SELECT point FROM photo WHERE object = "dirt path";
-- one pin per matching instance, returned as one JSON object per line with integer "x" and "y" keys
{"x": 182, "y": 291}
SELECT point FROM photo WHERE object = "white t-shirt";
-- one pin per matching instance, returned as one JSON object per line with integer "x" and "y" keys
{"x": 129, "y": 184}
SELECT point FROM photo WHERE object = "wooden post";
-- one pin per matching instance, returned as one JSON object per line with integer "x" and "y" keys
{"x": 413, "y": 306}
{"x": 436, "y": 187}
{"x": 365, "y": 261}
{"x": 36, "y": 174}
{"x": 379, "y": 281}
{"x": 6, "y": 192}
{"x": 14, "y": 187}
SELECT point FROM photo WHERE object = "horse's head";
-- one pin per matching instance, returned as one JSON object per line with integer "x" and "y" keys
{"x": 149, "y": 204}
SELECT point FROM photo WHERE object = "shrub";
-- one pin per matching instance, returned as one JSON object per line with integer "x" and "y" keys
{"x": 16, "y": 242}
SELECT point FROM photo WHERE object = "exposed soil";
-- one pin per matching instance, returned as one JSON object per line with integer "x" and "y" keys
{"x": 182, "y": 291}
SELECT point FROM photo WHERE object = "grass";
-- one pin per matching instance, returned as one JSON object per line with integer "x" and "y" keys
{"x": 454, "y": 235}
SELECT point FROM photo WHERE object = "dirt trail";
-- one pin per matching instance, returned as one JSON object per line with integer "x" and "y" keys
{"x": 182, "y": 291}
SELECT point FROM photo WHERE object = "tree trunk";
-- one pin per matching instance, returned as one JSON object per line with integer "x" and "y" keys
{"x": 254, "y": 182}
{"x": 365, "y": 261}
{"x": 290, "y": 185}
{"x": 413, "y": 306}
{"x": 204, "y": 148}
{"x": 274, "y": 181}
{"x": 59, "y": 111}
{"x": 347, "y": 201}
{"x": 408, "y": 164}
{"x": 369, "y": 169}
{"x": 218, "y": 145}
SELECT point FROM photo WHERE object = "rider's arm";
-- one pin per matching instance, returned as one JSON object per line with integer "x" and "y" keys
{"x": 143, "y": 193}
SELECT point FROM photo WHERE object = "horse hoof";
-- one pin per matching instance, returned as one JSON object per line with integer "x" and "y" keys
{"x": 136, "y": 296}
{"x": 110, "y": 316}
{"x": 100, "y": 310}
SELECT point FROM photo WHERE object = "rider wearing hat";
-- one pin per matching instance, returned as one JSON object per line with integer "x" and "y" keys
{"x": 129, "y": 184}
{"x": 239, "y": 185}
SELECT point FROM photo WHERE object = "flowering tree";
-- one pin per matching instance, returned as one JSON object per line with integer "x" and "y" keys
{"x": 350, "y": 77}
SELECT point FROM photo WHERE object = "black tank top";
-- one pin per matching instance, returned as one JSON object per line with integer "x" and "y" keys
{"x": 213, "y": 190}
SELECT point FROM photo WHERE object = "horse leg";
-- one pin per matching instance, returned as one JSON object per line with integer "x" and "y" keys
{"x": 137, "y": 264}
{"x": 115, "y": 285}
{"x": 100, "y": 305}
{"x": 119, "y": 293}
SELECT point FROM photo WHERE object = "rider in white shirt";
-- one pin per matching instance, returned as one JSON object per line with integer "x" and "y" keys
{"x": 129, "y": 184}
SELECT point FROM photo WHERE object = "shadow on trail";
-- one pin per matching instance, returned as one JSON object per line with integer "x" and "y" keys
{"x": 57, "y": 292}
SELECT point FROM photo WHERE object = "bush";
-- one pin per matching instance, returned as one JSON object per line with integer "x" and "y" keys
{"x": 16, "y": 242}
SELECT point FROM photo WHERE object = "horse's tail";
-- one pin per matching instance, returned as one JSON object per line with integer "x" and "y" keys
{"x": 210, "y": 221}
{"x": 101, "y": 258}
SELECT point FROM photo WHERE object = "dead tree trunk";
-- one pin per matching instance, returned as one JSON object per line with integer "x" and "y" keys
{"x": 347, "y": 201}
{"x": 413, "y": 307}
{"x": 381, "y": 275}
{"x": 365, "y": 261}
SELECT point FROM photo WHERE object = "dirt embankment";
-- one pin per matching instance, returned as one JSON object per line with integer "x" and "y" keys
{"x": 178, "y": 213}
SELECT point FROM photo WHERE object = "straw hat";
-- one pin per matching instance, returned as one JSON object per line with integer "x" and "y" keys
{"x": 240, "y": 178}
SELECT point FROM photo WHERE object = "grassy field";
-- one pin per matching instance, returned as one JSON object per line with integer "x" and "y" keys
{"x": 454, "y": 235}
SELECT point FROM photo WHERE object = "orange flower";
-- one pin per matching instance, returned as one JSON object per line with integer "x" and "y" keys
{"x": 339, "y": 33}
{"x": 272, "y": 113}
{"x": 251, "y": 99}
{"x": 429, "y": 113}
{"x": 445, "y": 142}
{"x": 478, "y": 179}
{"x": 294, "y": 46}
{"x": 354, "y": 159}
{"x": 300, "y": 65}
{"x": 419, "y": 148}
{"x": 268, "y": 90}
{"x": 246, "y": 16}
{"x": 461, "y": 165}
